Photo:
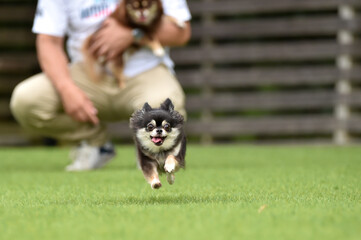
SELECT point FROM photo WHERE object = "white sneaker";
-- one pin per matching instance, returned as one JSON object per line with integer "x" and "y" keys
{"x": 86, "y": 157}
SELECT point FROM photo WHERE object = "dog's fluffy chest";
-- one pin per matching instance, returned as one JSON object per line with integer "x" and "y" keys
{"x": 161, "y": 156}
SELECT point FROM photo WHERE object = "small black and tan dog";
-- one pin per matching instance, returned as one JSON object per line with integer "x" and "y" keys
{"x": 160, "y": 141}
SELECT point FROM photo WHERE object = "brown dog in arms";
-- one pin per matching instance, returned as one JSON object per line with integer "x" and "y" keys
{"x": 144, "y": 15}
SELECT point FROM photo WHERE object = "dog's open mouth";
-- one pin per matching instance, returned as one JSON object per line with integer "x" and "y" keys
{"x": 157, "y": 140}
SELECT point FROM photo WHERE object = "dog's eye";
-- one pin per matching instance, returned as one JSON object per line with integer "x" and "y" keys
{"x": 166, "y": 127}
{"x": 150, "y": 127}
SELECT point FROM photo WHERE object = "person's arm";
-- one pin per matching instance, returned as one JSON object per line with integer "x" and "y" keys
{"x": 114, "y": 38}
{"x": 54, "y": 63}
{"x": 169, "y": 34}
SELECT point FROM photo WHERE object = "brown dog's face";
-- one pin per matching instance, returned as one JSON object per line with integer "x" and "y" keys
{"x": 143, "y": 12}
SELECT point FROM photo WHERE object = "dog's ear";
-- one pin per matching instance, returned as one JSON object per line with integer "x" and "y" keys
{"x": 136, "y": 120}
{"x": 146, "y": 107}
{"x": 167, "y": 105}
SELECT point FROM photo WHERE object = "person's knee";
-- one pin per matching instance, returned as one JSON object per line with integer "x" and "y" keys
{"x": 20, "y": 103}
{"x": 25, "y": 105}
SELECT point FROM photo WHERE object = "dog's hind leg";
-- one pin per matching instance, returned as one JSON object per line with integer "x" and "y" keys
{"x": 170, "y": 178}
{"x": 117, "y": 68}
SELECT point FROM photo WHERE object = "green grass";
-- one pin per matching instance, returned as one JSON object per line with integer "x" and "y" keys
{"x": 309, "y": 193}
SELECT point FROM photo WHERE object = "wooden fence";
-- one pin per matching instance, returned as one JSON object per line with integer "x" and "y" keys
{"x": 254, "y": 71}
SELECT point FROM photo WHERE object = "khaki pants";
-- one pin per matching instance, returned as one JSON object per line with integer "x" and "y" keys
{"x": 37, "y": 106}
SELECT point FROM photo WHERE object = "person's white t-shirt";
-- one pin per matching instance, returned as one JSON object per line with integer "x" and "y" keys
{"x": 77, "y": 19}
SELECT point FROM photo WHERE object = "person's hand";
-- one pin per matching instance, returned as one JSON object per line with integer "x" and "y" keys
{"x": 111, "y": 39}
{"x": 78, "y": 106}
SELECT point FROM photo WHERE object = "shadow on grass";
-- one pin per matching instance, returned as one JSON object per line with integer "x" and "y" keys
{"x": 8, "y": 168}
{"x": 178, "y": 199}
{"x": 167, "y": 200}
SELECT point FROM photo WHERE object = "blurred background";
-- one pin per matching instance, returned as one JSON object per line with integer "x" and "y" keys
{"x": 255, "y": 71}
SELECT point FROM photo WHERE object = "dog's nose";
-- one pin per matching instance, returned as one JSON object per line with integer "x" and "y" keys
{"x": 159, "y": 131}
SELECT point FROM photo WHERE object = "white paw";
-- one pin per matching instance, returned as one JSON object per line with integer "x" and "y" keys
{"x": 159, "y": 52}
{"x": 169, "y": 167}
{"x": 181, "y": 24}
{"x": 170, "y": 178}
{"x": 155, "y": 184}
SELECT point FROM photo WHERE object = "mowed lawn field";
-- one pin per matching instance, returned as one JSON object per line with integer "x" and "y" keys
{"x": 226, "y": 192}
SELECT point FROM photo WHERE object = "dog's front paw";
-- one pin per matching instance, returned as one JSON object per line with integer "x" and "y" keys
{"x": 181, "y": 24}
{"x": 155, "y": 184}
{"x": 169, "y": 166}
{"x": 159, "y": 52}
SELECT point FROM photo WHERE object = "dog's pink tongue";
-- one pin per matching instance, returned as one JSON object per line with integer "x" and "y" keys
{"x": 156, "y": 139}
